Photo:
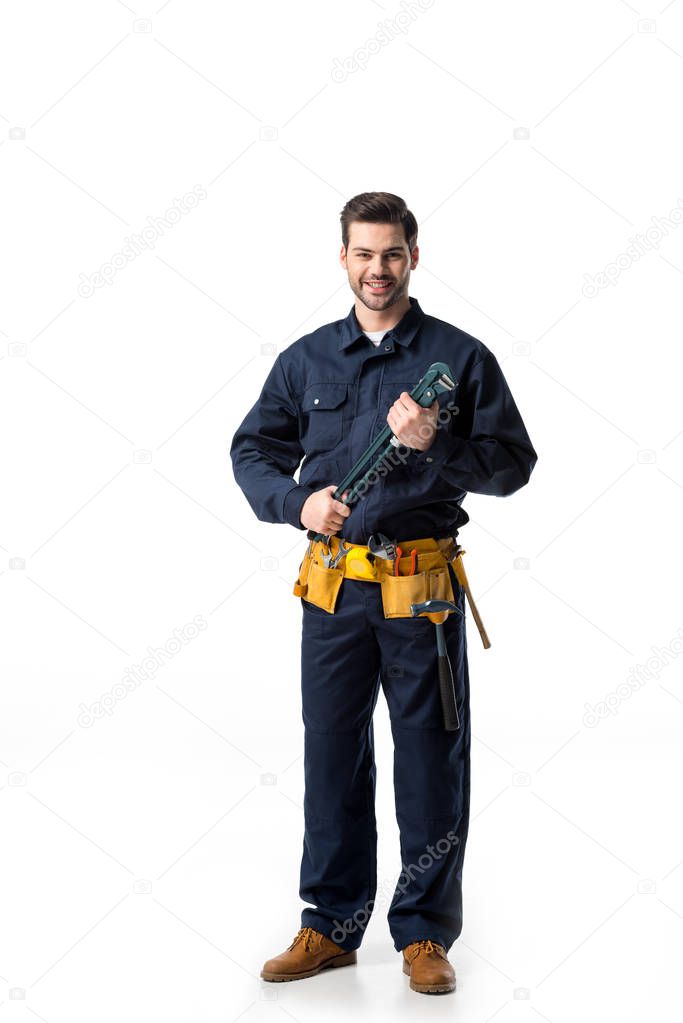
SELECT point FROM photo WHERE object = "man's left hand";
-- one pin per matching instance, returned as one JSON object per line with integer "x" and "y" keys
{"x": 414, "y": 425}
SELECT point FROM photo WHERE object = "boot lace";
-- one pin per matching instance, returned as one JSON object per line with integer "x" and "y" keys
{"x": 427, "y": 946}
{"x": 306, "y": 934}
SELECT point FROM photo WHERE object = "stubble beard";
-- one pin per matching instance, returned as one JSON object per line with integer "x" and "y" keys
{"x": 396, "y": 294}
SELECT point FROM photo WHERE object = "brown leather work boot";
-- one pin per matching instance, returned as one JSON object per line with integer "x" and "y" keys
{"x": 427, "y": 965}
{"x": 309, "y": 953}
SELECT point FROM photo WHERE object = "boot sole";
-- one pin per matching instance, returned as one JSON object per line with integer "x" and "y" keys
{"x": 347, "y": 959}
{"x": 428, "y": 989}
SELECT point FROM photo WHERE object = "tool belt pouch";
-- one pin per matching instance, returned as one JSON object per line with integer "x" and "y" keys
{"x": 301, "y": 585}
{"x": 317, "y": 584}
{"x": 400, "y": 591}
{"x": 322, "y": 586}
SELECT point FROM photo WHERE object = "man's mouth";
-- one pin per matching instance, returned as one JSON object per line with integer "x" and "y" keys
{"x": 378, "y": 286}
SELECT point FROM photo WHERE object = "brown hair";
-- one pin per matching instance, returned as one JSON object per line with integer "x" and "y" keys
{"x": 379, "y": 208}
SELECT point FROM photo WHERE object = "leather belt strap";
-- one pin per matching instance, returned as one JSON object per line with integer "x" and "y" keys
{"x": 427, "y": 547}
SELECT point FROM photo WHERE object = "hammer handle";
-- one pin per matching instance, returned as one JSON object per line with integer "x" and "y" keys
{"x": 461, "y": 576}
{"x": 450, "y": 711}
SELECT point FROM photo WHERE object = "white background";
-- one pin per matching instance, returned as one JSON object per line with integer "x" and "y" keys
{"x": 150, "y": 858}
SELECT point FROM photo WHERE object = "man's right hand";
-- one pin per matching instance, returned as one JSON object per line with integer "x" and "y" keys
{"x": 322, "y": 514}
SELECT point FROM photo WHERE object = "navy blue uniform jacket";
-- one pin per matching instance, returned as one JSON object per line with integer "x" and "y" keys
{"x": 327, "y": 396}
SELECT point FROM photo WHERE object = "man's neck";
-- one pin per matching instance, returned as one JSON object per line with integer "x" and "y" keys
{"x": 381, "y": 319}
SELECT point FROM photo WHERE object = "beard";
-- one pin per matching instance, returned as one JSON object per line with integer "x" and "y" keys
{"x": 380, "y": 301}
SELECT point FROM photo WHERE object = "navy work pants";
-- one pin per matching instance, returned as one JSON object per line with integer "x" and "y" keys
{"x": 345, "y": 657}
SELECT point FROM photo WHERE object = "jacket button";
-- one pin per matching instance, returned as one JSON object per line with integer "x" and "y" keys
{"x": 316, "y": 400}
{"x": 387, "y": 348}
{"x": 429, "y": 459}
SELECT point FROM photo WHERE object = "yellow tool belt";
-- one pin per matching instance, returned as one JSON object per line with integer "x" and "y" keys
{"x": 320, "y": 584}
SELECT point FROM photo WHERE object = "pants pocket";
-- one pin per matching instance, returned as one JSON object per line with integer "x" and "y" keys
{"x": 323, "y": 586}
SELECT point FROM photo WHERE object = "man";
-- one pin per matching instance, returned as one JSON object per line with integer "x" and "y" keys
{"x": 327, "y": 396}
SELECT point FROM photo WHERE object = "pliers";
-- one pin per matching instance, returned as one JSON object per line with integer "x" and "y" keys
{"x": 413, "y": 561}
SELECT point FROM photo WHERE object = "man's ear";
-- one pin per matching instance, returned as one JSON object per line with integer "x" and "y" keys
{"x": 414, "y": 257}
{"x": 342, "y": 256}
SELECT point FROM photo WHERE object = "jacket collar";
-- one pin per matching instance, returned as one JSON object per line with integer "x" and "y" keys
{"x": 403, "y": 332}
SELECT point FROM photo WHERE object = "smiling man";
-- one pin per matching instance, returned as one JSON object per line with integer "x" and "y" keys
{"x": 327, "y": 396}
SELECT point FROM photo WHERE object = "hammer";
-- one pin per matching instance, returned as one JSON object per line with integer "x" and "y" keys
{"x": 451, "y": 719}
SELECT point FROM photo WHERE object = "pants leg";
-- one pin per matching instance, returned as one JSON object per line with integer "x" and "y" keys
{"x": 340, "y": 678}
{"x": 431, "y": 775}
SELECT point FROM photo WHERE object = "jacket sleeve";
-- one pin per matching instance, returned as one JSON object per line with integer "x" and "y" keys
{"x": 485, "y": 448}
{"x": 266, "y": 451}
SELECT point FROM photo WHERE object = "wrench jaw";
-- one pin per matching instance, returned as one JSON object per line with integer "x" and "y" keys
{"x": 331, "y": 560}
{"x": 438, "y": 377}
{"x": 341, "y": 553}
{"x": 381, "y": 546}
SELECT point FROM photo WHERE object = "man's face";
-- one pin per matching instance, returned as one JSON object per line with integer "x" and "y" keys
{"x": 378, "y": 253}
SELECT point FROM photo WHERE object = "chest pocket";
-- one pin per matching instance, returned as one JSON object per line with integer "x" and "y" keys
{"x": 323, "y": 407}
